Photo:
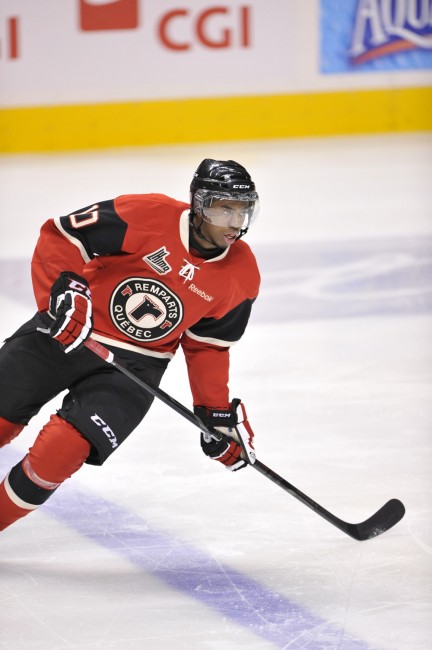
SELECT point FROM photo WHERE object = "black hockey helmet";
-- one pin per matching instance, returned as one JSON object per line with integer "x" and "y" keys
{"x": 223, "y": 180}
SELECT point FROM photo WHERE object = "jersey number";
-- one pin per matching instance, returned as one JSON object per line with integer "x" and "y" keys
{"x": 86, "y": 218}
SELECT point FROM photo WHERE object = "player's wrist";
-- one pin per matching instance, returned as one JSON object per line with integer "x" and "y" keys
{"x": 216, "y": 417}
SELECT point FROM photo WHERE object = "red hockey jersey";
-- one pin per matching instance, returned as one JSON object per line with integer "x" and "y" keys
{"x": 150, "y": 292}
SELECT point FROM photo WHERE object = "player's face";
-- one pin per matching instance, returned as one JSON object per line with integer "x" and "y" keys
{"x": 232, "y": 214}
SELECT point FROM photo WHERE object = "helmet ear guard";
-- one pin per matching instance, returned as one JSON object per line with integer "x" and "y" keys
{"x": 224, "y": 181}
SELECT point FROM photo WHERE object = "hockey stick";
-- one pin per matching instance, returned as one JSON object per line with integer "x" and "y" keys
{"x": 378, "y": 523}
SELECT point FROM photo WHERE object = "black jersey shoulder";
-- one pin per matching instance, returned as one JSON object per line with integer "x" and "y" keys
{"x": 98, "y": 228}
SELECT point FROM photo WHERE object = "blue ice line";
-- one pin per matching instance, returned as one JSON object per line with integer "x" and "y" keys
{"x": 190, "y": 571}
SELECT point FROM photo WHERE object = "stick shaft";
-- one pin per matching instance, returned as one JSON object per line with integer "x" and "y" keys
{"x": 378, "y": 523}
{"x": 105, "y": 354}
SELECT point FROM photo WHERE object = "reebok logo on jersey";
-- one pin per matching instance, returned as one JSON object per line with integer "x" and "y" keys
{"x": 201, "y": 293}
{"x": 145, "y": 309}
{"x": 157, "y": 261}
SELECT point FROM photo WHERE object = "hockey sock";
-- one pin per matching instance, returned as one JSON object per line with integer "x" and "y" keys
{"x": 8, "y": 431}
{"x": 58, "y": 452}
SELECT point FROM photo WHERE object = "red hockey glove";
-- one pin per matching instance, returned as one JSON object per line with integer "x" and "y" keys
{"x": 71, "y": 307}
{"x": 232, "y": 441}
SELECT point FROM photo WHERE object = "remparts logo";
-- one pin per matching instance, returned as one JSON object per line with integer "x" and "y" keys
{"x": 144, "y": 309}
{"x": 98, "y": 15}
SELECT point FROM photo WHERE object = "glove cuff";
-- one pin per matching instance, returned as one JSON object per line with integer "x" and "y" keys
{"x": 213, "y": 418}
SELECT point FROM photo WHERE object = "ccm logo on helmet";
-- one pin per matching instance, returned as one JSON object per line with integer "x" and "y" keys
{"x": 241, "y": 187}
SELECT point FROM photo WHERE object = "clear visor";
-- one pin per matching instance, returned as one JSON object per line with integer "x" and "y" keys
{"x": 227, "y": 209}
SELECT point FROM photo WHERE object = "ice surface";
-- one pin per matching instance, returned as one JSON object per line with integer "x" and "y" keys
{"x": 162, "y": 548}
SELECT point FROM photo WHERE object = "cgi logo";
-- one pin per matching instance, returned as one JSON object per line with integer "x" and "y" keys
{"x": 201, "y": 30}
{"x": 98, "y": 15}
{"x": 203, "y": 27}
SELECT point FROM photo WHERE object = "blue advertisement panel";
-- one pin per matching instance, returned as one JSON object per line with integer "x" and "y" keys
{"x": 375, "y": 35}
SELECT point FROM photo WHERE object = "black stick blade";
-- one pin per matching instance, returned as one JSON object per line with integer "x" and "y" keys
{"x": 382, "y": 520}
{"x": 385, "y": 518}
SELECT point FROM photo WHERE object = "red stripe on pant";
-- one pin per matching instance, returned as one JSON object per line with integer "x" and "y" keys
{"x": 58, "y": 452}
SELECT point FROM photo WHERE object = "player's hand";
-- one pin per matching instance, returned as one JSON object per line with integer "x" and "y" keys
{"x": 71, "y": 307}
{"x": 232, "y": 441}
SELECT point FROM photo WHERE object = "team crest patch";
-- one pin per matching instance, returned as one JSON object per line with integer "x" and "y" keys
{"x": 157, "y": 261}
{"x": 144, "y": 309}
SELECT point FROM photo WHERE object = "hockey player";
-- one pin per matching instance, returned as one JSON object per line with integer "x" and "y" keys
{"x": 142, "y": 274}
